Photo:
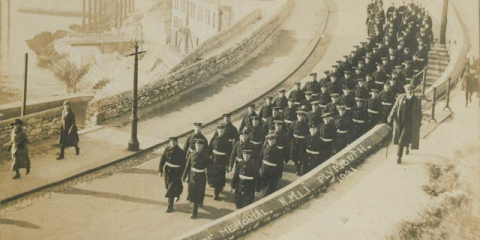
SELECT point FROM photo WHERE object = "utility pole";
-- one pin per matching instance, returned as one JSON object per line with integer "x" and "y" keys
{"x": 83, "y": 15}
{"x": 134, "y": 145}
{"x": 443, "y": 29}
{"x": 24, "y": 105}
{"x": 90, "y": 29}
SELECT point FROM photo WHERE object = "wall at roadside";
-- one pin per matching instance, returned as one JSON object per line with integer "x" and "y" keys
{"x": 267, "y": 209}
{"x": 43, "y": 119}
{"x": 218, "y": 40}
{"x": 102, "y": 109}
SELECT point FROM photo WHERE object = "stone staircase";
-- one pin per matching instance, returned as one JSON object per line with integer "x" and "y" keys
{"x": 438, "y": 60}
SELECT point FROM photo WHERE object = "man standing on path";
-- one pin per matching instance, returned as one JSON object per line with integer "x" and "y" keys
{"x": 18, "y": 148}
{"x": 68, "y": 131}
{"x": 172, "y": 163}
{"x": 220, "y": 150}
{"x": 407, "y": 113}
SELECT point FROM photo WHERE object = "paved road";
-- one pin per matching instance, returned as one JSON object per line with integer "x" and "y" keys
{"x": 130, "y": 204}
{"x": 275, "y": 60}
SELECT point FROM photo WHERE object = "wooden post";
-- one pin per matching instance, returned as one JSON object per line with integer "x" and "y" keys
{"x": 24, "y": 105}
{"x": 432, "y": 117}
{"x": 444, "y": 22}
{"x": 1, "y": 10}
{"x": 83, "y": 15}
{"x": 116, "y": 13}
{"x": 90, "y": 28}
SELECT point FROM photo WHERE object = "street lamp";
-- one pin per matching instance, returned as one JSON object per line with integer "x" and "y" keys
{"x": 133, "y": 144}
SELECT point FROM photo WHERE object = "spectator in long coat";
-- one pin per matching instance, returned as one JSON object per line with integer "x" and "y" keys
{"x": 68, "y": 131}
{"x": 407, "y": 113}
{"x": 469, "y": 83}
{"x": 18, "y": 148}
{"x": 172, "y": 163}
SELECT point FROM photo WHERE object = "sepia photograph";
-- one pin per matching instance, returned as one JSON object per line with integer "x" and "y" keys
{"x": 240, "y": 119}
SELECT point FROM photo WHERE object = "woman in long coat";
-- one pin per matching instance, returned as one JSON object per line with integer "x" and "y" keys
{"x": 407, "y": 113}
{"x": 469, "y": 83}
{"x": 68, "y": 131}
{"x": 18, "y": 148}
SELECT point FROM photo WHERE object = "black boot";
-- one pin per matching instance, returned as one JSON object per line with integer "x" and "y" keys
{"x": 62, "y": 152}
{"x": 170, "y": 205}
{"x": 17, "y": 175}
{"x": 194, "y": 211}
{"x": 216, "y": 195}
{"x": 77, "y": 150}
{"x": 28, "y": 171}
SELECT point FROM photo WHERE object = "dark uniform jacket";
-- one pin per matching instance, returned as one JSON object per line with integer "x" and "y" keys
{"x": 387, "y": 99}
{"x": 231, "y": 132}
{"x": 220, "y": 149}
{"x": 297, "y": 95}
{"x": 244, "y": 178}
{"x": 289, "y": 114}
{"x": 265, "y": 112}
{"x": 311, "y": 153}
{"x": 189, "y": 144}
{"x": 237, "y": 151}
{"x": 342, "y": 125}
{"x": 374, "y": 109}
{"x": 297, "y": 133}
{"x": 335, "y": 87}
{"x": 172, "y": 163}
{"x": 195, "y": 172}
{"x": 314, "y": 118}
{"x": 281, "y": 102}
{"x": 246, "y": 121}
{"x": 327, "y": 134}
{"x": 360, "y": 121}
{"x": 312, "y": 86}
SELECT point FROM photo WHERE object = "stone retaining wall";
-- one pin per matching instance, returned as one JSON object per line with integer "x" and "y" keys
{"x": 337, "y": 168}
{"x": 102, "y": 109}
{"x": 38, "y": 126}
{"x": 218, "y": 39}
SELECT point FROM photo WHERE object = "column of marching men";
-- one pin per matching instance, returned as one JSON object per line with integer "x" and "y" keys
{"x": 312, "y": 123}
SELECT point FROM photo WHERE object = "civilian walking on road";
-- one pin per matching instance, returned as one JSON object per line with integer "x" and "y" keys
{"x": 469, "y": 83}
{"x": 172, "y": 163}
{"x": 68, "y": 131}
{"x": 407, "y": 113}
{"x": 18, "y": 148}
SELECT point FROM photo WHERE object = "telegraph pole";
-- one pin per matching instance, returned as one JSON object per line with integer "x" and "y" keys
{"x": 24, "y": 105}
{"x": 134, "y": 145}
{"x": 443, "y": 29}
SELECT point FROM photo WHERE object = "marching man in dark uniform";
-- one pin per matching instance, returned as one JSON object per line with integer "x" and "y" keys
{"x": 315, "y": 116}
{"x": 311, "y": 156}
{"x": 239, "y": 146}
{"x": 189, "y": 145}
{"x": 244, "y": 178}
{"x": 332, "y": 106}
{"x": 266, "y": 110}
{"x": 359, "y": 119}
{"x": 270, "y": 123}
{"x": 271, "y": 166}
{"x": 256, "y": 137}
{"x": 297, "y": 95}
{"x": 324, "y": 97}
{"x": 298, "y": 132}
{"x": 195, "y": 174}
{"x": 282, "y": 139}
{"x": 335, "y": 84}
{"x": 281, "y": 101}
{"x": 342, "y": 123}
{"x": 230, "y": 131}
{"x": 247, "y": 118}
{"x": 327, "y": 136}
{"x": 172, "y": 163}
{"x": 374, "y": 109}
{"x": 407, "y": 113}
{"x": 387, "y": 98}
{"x": 290, "y": 113}
{"x": 220, "y": 148}
{"x": 313, "y": 85}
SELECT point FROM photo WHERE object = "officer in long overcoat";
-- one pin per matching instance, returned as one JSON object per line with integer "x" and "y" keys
{"x": 18, "y": 148}
{"x": 68, "y": 131}
{"x": 407, "y": 113}
{"x": 342, "y": 124}
{"x": 172, "y": 163}
{"x": 244, "y": 178}
{"x": 195, "y": 175}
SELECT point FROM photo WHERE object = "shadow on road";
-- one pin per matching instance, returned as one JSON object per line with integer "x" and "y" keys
{"x": 19, "y": 223}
